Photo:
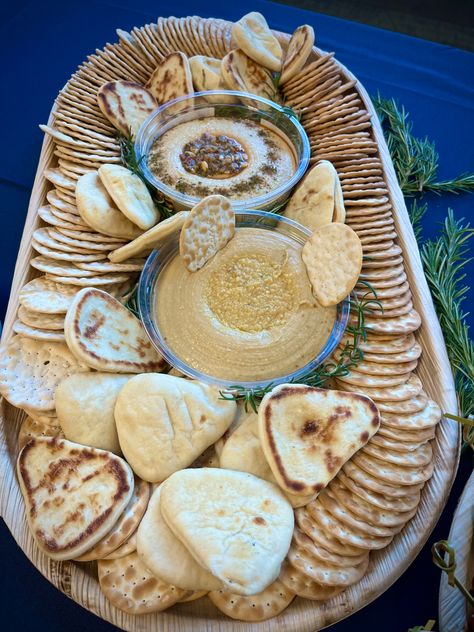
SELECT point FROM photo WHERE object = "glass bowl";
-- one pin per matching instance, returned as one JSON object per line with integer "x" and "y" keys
{"x": 214, "y": 104}
{"x": 159, "y": 259}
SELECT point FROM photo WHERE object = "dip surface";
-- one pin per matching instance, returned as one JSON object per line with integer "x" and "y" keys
{"x": 236, "y": 158}
{"x": 248, "y": 314}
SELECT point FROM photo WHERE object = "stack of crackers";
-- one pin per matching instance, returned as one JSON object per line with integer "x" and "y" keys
{"x": 173, "y": 462}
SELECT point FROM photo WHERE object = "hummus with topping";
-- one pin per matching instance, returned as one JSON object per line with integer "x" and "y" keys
{"x": 248, "y": 314}
{"x": 240, "y": 159}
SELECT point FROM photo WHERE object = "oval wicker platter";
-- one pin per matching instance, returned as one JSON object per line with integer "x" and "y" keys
{"x": 78, "y": 581}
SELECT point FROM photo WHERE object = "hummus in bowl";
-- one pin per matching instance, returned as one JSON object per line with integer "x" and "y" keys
{"x": 248, "y": 149}
{"x": 247, "y": 317}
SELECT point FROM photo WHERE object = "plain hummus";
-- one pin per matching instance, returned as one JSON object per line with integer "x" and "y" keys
{"x": 248, "y": 314}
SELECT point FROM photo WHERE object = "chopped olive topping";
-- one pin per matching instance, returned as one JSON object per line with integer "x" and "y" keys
{"x": 213, "y": 156}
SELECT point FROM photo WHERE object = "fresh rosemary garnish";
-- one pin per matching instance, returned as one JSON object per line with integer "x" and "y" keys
{"x": 443, "y": 262}
{"x": 415, "y": 159}
{"x": 132, "y": 302}
{"x": 349, "y": 357}
{"x": 416, "y": 213}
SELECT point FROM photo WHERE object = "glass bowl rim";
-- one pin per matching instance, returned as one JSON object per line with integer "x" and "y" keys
{"x": 148, "y": 279}
{"x": 189, "y": 201}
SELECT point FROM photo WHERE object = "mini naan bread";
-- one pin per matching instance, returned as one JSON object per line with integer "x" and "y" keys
{"x": 243, "y": 451}
{"x": 254, "y": 37}
{"x": 85, "y": 405}
{"x": 130, "y": 194}
{"x": 126, "y": 105}
{"x": 242, "y": 73}
{"x": 307, "y": 433}
{"x": 234, "y": 524}
{"x": 105, "y": 335}
{"x": 171, "y": 78}
{"x": 166, "y": 556}
{"x": 299, "y": 48}
{"x": 73, "y": 494}
{"x": 97, "y": 209}
{"x": 206, "y": 74}
{"x": 164, "y": 423}
{"x": 313, "y": 202}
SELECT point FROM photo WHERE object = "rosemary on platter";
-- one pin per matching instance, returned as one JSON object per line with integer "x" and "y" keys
{"x": 350, "y": 356}
{"x": 415, "y": 159}
{"x": 443, "y": 262}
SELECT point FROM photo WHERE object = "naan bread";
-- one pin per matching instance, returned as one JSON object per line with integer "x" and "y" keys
{"x": 130, "y": 194}
{"x": 243, "y": 451}
{"x": 299, "y": 49}
{"x": 307, "y": 433}
{"x": 126, "y": 105}
{"x": 254, "y": 37}
{"x": 171, "y": 79}
{"x": 242, "y": 73}
{"x": 164, "y": 423}
{"x": 73, "y": 494}
{"x": 166, "y": 556}
{"x": 85, "y": 405}
{"x": 106, "y": 336}
{"x": 234, "y": 524}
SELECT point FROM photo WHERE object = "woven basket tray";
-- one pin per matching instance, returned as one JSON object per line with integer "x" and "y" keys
{"x": 79, "y": 581}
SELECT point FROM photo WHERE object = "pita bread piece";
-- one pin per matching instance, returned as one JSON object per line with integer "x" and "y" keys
{"x": 106, "y": 336}
{"x": 206, "y": 230}
{"x": 166, "y": 556}
{"x": 164, "y": 422}
{"x": 73, "y": 494}
{"x": 299, "y": 49}
{"x": 242, "y": 73}
{"x": 254, "y": 37}
{"x": 333, "y": 259}
{"x": 85, "y": 408}
{"x": 234, "y": 524}
{"x": 126, "y": 105}
{"x": 307, "y": 434}
{"x": 97, "y": 209}
{"x": 171, "y": 79}
{"x": 206, "y": 74}
{"x": 313, "y": 202}
{"x": 130, "y": 194}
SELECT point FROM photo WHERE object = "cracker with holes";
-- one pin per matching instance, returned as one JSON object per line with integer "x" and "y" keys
{"x": 207, "y": 229}
{"x": 333, "y": 259}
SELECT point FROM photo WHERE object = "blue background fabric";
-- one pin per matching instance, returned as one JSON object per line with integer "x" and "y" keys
{"x": 42, "y": 43}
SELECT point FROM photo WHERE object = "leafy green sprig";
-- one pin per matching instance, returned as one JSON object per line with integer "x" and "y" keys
{"x": 415, "y": 159}
{"x": 349, "y": 357}
{"x": 443, "y": 262}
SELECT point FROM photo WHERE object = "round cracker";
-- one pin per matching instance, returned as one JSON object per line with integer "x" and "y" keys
{"x": 333, "y": 259}
{"x": 375, "y": 484}
{"x": 46, "y": 296}
{"x": 402, "y": 504}
{"x": 64, "y": 256}
{"x": 124, "y": 549}
{"x": 30, "y": 371}
{"x": 395, "y": 474}
{"x": 36, "y": 333}
{"x": 43, "y": 237}
{"x": 422, "y": 420}
{"x": 304, "y": 586}
{"x": 129, "y": 586}
{"x": 364, "y": 380}
{"x": 267, "y": 604}
{"x": 402, "y": 392}
{"x": 413, "y": 458}
{"x": 94, "y": 281}
{"x": 46, "y": 214}
{"x": 55, "y": 267}
{"x": 325, "y": 539}
{"x": 90, "y": 236}
{"x": 322, "y": 554}
{"x": 412, "y": 405}
{"x": 39, "y": 320}
{"x": 81, "y": 244}
{"x": 98, "y": 267}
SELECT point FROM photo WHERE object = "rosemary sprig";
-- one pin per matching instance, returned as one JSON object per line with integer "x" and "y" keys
{"x": 131, "y": 303}
{"x": 415, "y": 159}
{"x": 443, "y": 262}
{"x": 350, "y": 356}
{"x": 416, "y": 213}
{"x": 438, "y": 551}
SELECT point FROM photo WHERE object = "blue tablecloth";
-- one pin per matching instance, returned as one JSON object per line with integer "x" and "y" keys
{"x": 41, "y": 44}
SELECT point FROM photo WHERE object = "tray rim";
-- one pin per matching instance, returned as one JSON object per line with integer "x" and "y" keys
{"x": 68, "y": 577}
